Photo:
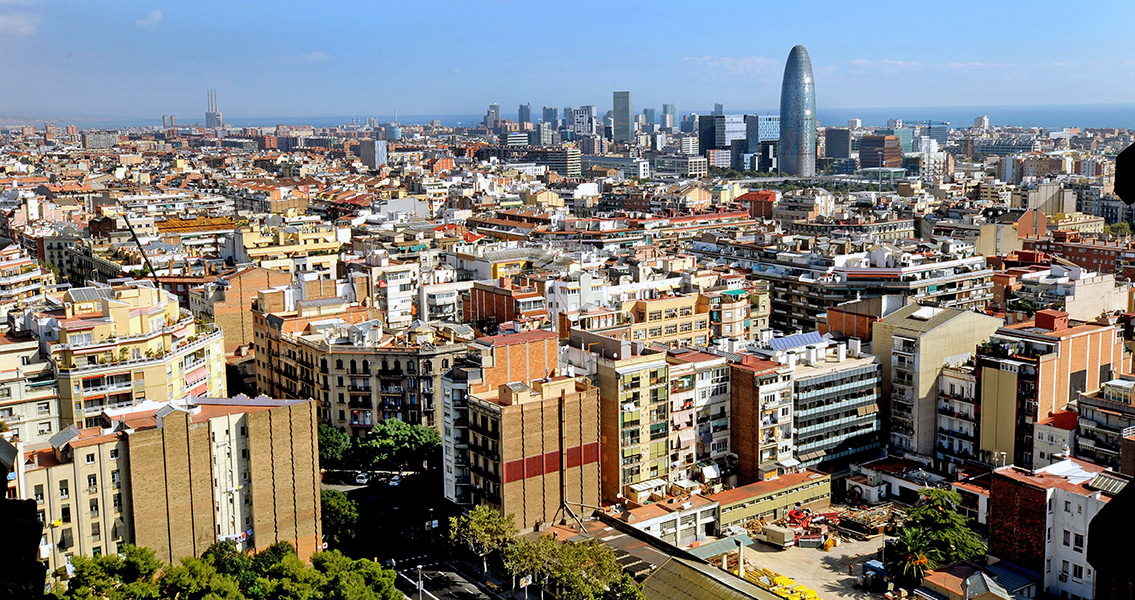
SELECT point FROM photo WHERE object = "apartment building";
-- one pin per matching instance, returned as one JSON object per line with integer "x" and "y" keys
{"x": 836, "y": 418}
{"x": 439, "y": 302}
{"x": 671, "y": 320}
{"x": 489, "y": 362}
{"x": 116, "y": 346}
{"x": 914, "y": 344}
{"x": 22, "y": 280}
{"x": 761, "y": 419}
{"x": 29, "y": 395}
{"x": 1106, "y": 417}
{"x": 635, "y": 419}
{"x": 710, "y": 405}
{"x": 959, "y": 410}
{"x": 534, "y": 449}
{"x": 390, "y": 285}
{"x": 1039, "y": 520}
{"x": 330, "y": 350}
{"x": 728, "y": 314}
{"x": 490, "y": 303}
{"x": 1032, "y": 369}
{"x": 177, "y": 477}
{"x": 304, "y": 247}
{"x": 806, "y": 279}
{"x": 227, "y": 301}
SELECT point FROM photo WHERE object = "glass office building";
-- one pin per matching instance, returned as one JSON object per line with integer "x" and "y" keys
{"x": 798, "y": 116}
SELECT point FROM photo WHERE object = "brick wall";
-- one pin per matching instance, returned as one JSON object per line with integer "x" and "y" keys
{"x": 744, "y": 416}
{"x": 1017, "y": 514}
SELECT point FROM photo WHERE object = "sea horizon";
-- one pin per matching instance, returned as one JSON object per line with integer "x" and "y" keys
{"x": 1046, "y": 116}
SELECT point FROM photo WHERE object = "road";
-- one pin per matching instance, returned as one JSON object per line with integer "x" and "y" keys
{"x": 439, "y": 582}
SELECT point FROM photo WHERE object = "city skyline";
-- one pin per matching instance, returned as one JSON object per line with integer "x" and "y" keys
{"x": 89, "y": 46}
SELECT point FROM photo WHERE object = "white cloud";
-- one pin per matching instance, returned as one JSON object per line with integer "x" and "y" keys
{"x": 902, "y": 64}
{"x": 736, "y": 64}
{"x": 18, "y": 24}
{"x": 973, "y": 64}
{"x": 317, "y": 56}
{"x": 150, "y": 21}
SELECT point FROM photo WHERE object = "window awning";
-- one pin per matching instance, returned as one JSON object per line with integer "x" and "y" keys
{"x": 710, "y": 472}
{"x": 686, "y": 436}
{"x": 788, "y": 463}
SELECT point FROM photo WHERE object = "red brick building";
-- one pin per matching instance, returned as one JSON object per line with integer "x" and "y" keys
{"x": 491, "y": 303}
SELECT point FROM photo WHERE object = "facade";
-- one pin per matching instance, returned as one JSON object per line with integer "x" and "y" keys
{"x": 373, "y": 153}
{"x": 880, "y": 151}
{"x": 624, "y": 130}
{"x": 227, "y": 301}
{"x": 1032, "y": 369}
{"x": 534, "y": 449}
{"x": 1106, "y": 417}
{"x": 311, "y": 247}
{"x": 635, "y": 421}
{"x": 489, "y": 363}
{"x": 761, "y": 419}
{"x": 176, "y": 478}
{"x": 798, "y": 116}
{"x": 837, "y": 142}
{"x": 915, "y": 343}
{"x": 328, "y": 350}
{"x": 115, "y": 347}
{"x": 772, "y": 499}
{"x": 709, "y": 402}
{"x": 1039, "y": 520}
{"x": 29, "y": 395}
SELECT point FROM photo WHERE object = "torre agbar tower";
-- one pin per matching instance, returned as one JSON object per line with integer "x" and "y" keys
{"x": 798, "y": 116}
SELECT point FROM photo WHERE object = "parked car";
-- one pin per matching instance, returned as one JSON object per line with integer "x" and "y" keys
{"x": 394, "y": 481}
{"x": 362, "y": 478}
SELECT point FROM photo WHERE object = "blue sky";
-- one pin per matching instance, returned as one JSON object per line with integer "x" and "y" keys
{"x": 86, "y": 57}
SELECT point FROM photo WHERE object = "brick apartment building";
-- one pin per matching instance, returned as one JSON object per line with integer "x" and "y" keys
{"x": 489, "y": 363}
{"x": 534, "y": 449}
{"x": 176, "y": 478}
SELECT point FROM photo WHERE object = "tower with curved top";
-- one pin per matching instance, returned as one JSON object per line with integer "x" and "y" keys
{"x": 797, "y": 152}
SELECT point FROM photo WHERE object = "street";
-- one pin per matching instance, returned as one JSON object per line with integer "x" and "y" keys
{"x": 439, "y": 582}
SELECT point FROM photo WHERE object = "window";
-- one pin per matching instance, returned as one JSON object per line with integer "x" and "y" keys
{"x": 115, "y": 479}
{"x": 1078, "y": 543}
{"x": 43, "y": 408}
{"x": 65, "y": 513}
{"x": 91, "y": 458}
{"x": 64, "y": 490}
{"x": 1064, "y": 567}
{"x": 1077, "y": 571}
{"x": 1067, "y": 506}
{"x": 117, "y": 502}
{"x": 114, "y": 454}
{"x": 1067, "y": 538}
{"x": 94, "y": 507}
{"x": 44, "y": 428}
{"x": 92, "y": 481}
{"x": 39, "y": 494}
{"x": 96, "y": 531}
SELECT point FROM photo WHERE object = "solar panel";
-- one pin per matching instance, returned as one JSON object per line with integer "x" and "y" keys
{"x": 796, "y": 340}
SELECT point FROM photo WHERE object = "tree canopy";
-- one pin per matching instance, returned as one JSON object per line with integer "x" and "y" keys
{"x": 482, "y": 531}
{"x": 223, "y": 573}
{"x": 333, "y": 445}
{"x": 935, "y": 534}
{"x": 339, "y": 515}
{"x": 580, "y": 571}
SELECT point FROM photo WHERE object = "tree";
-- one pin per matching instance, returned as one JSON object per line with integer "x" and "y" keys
{"x": 934, "y": 534}
{"x": 483, "y": 531}
{"x": 624, "y": 588}
{"x": 395, "y": 443}
{"x": 584, "y": 570}
{"x": 224, "y": 573}
{"x": 339, "y": 515}
{"x": 333, "y": 445}
{"x": 1121, "y": 228}
{"x": 527, "y": 556}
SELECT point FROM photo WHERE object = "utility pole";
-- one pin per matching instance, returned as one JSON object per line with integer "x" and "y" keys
{"x": 419, "y": 582}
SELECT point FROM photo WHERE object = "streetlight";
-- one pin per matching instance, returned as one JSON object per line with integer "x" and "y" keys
{"x": 419, "y": 582}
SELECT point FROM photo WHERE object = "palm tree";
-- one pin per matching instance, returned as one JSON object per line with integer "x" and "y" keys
{"x": 914, "y": 554}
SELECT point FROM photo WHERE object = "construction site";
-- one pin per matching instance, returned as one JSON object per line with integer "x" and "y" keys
{"x": 780, "y": 556}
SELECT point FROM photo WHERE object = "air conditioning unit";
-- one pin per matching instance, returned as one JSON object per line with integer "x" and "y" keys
{"x": 1063, "y": 577}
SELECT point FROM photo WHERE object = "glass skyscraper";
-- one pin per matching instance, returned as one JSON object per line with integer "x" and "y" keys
{"x": 798, "y": 116}
{"x": 623, "y": 129}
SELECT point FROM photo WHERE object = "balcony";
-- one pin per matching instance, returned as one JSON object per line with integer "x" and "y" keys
{"x": 112, "y": 387}
{"x": 962, "y": 435}
{"x": 950, "y": 412}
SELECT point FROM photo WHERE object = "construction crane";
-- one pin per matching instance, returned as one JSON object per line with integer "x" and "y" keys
{"x": 141, "y": 250}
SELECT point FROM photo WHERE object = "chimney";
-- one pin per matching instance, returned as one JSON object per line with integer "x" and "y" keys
{"x": 841, "y": 352}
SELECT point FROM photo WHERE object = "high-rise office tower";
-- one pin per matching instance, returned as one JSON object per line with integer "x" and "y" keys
{"x": 213, "y": 117}
{"x": 798, "y": 115}
{"x": 669, "y": 116}
{"x": 492, "y": 115}
{"x": 854, "y": 123}
{"x": 894, "y": 123}
{"x": 718, "y": 109}
{"x": 650, "y": 116}
{"x": 981, "y": 122}
{"x": 837, "y": 142}
{"x": 551, "y": 115}
{"x": 623, "y": 130}
{"x": 524, "y": 113}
